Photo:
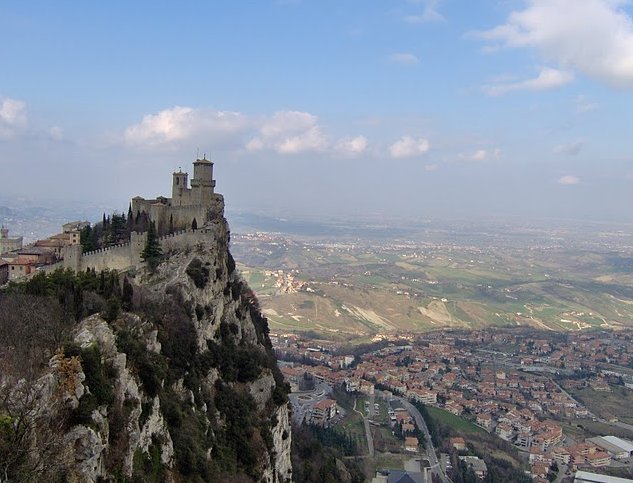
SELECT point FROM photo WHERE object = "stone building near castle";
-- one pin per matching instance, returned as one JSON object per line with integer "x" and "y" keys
{"x": 9, "y": 244}
{"x": 190, "y": 204}
{"x": 193, "y": 212}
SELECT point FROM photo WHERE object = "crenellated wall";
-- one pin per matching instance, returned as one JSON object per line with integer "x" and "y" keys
{"x": 126, "y": 256}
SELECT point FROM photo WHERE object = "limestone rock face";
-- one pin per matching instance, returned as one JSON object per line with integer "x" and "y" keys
{"x": 132, "y": 429}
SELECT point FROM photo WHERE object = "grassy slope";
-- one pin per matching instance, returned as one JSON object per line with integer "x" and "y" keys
{"x": 562, "y": 291}
{"x": 457, "y": 423}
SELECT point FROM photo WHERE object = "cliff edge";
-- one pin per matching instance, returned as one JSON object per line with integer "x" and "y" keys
{"x": 164, "y": 375}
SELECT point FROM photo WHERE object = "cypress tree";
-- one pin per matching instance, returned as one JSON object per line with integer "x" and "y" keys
{"x": 194, "y": 224}
{"x": 152, "y": 253}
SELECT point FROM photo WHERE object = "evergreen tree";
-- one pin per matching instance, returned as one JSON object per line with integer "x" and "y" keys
{"x": 87, "y": 239}
{"x": 171, "y": 224}
{"x": 152, "y": 253}
{"x": 130, "y": 220}
{"x": 194, "y": 224}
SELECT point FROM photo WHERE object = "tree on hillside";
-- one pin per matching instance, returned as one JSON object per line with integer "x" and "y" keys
{"x": 152, "y": 253}
{"x": 89, "y": 239}
{"x": 194, "y": 225}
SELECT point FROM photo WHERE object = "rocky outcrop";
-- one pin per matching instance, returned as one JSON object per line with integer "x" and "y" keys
{"x": 230, "y": 368}
{"x": 181, "y": 385}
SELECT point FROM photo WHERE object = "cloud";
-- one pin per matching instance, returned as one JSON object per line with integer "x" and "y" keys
{"x": 547, "y": 78}
{"x": 568, "y": 180}
{"x": 13, "y": 117}
{"x": 594, "y": 37}
{"x": 284, "y": 132}
{"x": 584, "y": 105}
{"x": 481, "y": 155}
{"x": 56, "y": 133}
{"x": 569, "y": 149}
{"x": 185, "y": 123}
{"x": 430, "y": 167}
{"x": 351, "y": 147}
{"x": 289, "y": 132}
{"x": 404, "y": 58}
{"x": 407, "y": 146}
{"x": 430, "y": 12}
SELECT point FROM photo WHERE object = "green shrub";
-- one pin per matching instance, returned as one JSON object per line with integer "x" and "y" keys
{"x": 198, "y": 273}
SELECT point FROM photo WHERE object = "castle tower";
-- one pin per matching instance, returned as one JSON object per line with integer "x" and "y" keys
{"x": 179, "y": 191}
{"x": 4, "y": 232}
{"x": 202, "y": 183}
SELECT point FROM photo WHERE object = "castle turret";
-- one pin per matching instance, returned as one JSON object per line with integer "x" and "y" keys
{"x": 202, "y": 183}
{"x": 4, "y": 232}
{"x": 180, "y": 193}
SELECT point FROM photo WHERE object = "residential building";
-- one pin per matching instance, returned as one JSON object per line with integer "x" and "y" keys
{"x": 458, "y": 443}
{"x": 411, "y": 444}
{"x": 478, "y": 465}
{"x": 323, "y": 412}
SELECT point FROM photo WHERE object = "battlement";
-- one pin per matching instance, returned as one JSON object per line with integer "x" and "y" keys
{"x": 127, "y": 256}
{"x": 191, "y": 215}
{"x": 192, "y": 203}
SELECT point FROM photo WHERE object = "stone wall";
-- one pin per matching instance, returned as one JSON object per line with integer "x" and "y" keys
{"x": 181, "y": 216}
{"x": 128, "y": 255}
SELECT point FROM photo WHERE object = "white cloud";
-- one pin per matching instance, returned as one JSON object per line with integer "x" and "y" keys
{"x": 569, "y": 149}
{"x": 351, "y": 147}
{"x": 289, "y": 132}
{"x": 13, "y": 117}
{"x": 568, "y": 180}
{"x": 547, "y": 78}
{"x": 585, "y": 105}
{"x": 430, "y": 167}
{"x": 594, "y": 37}
{"x": 407, "y": 146}
{"x": 481, "y": 155}
{"x": 430, "y": 12}
{"x": 56, "y": 133}
{"x": 285, "y": 132}
{"x": 404, "y": 58}
{"x": 185, "y": 123}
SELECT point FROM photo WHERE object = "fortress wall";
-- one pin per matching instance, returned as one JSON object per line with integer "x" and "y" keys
{"x": 118, "y": 257}
{"x": 128, "y": 255}
{"x": 188, "y": 239}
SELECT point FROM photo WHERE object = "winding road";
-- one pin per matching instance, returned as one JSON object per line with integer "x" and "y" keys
{"x": 430, "y": 450}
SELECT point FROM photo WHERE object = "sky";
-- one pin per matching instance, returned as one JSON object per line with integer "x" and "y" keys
{"x": 431, "y": 108}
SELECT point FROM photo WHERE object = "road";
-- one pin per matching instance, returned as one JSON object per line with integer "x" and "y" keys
{"x": 303, "y": 401}
{"x": 370, "y": 438}
{"x": 430, "y": 450}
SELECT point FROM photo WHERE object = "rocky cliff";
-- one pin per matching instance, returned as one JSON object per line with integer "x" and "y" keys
{"x": 179, "y": 384}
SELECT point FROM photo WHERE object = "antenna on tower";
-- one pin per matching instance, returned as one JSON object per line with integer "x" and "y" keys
{"x": 197, "y": 153}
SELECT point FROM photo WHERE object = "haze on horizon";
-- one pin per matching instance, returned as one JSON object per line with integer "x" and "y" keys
{"x": 410, "y": 107}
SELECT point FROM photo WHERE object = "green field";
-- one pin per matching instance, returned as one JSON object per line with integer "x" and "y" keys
{"x": 350, "y": 291}
{"x": 455, "y": 422}
{"x": 608, "y": 404}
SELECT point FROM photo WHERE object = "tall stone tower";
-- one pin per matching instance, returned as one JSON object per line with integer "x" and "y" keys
{"x": 202, "y": 183}
{"x": 179, "y": 191}
{"x": 4, "y": 232}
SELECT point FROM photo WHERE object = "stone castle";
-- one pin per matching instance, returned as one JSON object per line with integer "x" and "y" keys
{"x": 191, "y": 213}
{"x": 8, "y": 244}
{"x": 199, "y": 202}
